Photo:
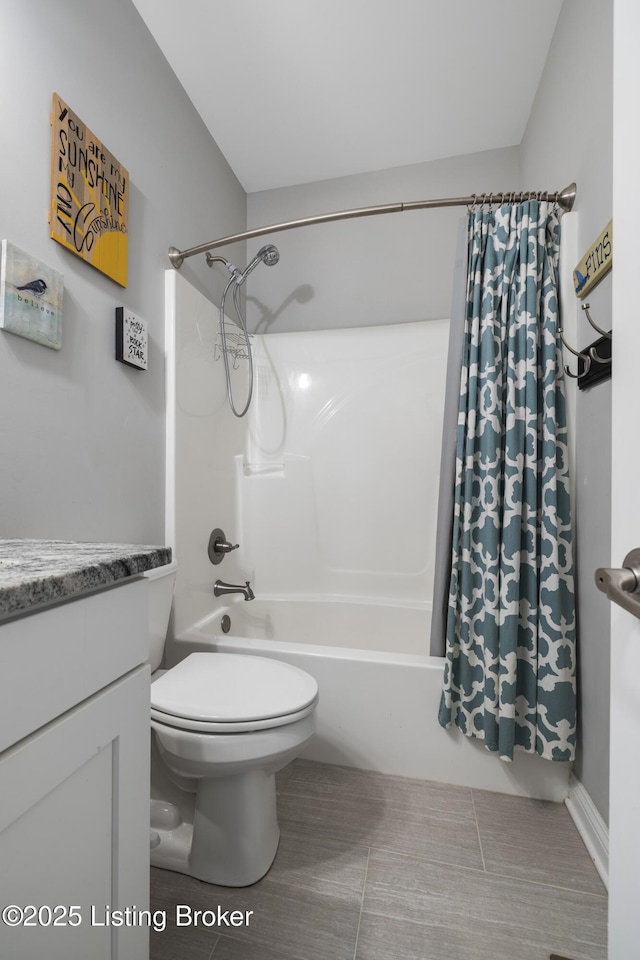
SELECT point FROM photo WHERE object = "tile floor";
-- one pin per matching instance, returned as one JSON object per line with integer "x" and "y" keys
{"x": 372, "y": 867}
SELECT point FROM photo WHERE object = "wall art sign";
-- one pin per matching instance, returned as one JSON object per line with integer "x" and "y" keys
{"x": 30, "y": 297}
{"x": 131, "y": 339}
{"x": 89, "y": 211}
{"x": 595, "y": 264}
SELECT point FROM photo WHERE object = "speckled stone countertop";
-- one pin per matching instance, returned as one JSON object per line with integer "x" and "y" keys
{"x": 37, "y": 572}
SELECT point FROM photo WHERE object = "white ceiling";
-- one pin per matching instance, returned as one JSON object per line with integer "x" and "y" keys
{"x": 300, "y": 90}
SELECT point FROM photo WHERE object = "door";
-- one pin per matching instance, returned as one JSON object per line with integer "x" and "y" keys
{"x": 624, "y": 831}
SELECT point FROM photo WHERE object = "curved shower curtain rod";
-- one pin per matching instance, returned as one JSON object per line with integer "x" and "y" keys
{"x": 564, "y": 198}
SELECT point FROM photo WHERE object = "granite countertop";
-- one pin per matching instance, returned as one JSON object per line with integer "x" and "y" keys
{"x": 37, "y": 572}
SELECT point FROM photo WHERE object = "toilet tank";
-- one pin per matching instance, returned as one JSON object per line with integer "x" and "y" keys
{"x": 161, "y": 583}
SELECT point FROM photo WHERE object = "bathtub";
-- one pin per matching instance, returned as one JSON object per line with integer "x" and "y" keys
{"x": 352, "y": 623}
{"x": 379, "y": 689}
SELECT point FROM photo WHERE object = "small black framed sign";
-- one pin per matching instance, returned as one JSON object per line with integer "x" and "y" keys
{"x": 131, "y": 339}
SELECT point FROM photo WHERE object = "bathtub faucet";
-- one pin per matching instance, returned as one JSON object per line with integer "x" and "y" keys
{"x": 220, "y": 589}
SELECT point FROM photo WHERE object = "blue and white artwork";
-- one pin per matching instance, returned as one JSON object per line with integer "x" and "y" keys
{"x": 31, "y": 296}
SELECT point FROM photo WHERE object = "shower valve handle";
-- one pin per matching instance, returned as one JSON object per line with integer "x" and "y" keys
{"x": 219, "y": 546}
{"x": 223, "y": 546}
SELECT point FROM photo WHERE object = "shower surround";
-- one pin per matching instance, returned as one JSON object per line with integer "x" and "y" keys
{"x": 330, "y": 487}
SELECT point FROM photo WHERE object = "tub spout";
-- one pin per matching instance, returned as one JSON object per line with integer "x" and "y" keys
{"x": 220, "y": 589}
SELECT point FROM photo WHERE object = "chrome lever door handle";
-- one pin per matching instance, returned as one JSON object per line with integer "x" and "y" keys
{"x": 622, "y": 585}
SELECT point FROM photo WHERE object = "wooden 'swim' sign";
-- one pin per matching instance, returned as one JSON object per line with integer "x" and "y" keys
{"x": 595, "y": 264}
{"x": 89, "y": 212}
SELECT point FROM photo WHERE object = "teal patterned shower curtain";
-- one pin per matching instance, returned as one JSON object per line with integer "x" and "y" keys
{"x": 510, "y": 676}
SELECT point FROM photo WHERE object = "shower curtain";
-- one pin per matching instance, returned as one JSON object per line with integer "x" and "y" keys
{"x": 510, "y": 630}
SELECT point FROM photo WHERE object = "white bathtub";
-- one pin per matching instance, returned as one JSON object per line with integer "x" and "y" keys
{"x": 378, "y": 708}
{"x": 349, "y": 623}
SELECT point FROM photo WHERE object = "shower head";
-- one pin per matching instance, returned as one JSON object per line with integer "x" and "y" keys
{"x": 267, "y": 254}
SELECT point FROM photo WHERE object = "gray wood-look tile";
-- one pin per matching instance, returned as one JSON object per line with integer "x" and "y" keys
{"x": 228, "y": 949}
{"x": 282, "y": 776}
{"x": 304, "y": 860}
{"x": 308, "y": 905}
{"x": 533, "y": 840}
{"x": 169, "y": 889}
{"x": 419, "y": 910}
{"x": 184, "y": 942}
{"x": 316, "y": 922}
{"x": 414, "y": 848}
{"x": 308, "y": 778}
{"x": 425, "y": 819}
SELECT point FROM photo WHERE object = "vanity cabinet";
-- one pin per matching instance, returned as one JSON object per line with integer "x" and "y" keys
{"x": 74, "y": 776}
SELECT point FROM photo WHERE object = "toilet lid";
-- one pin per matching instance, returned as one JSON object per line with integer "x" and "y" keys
{"x": 232, "y": 688}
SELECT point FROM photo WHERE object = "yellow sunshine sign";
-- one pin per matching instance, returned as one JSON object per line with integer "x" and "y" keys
{"x": 89, "y": 212}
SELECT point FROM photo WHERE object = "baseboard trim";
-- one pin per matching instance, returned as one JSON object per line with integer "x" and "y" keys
{"x": 590, "y": 826}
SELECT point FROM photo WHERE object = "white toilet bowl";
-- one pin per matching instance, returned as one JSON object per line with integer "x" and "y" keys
{"x": 223, "y": 725}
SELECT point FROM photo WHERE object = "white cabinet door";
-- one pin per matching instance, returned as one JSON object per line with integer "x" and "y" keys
{"x": 74, "y": 813}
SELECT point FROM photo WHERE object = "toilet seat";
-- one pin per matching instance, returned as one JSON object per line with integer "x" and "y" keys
{"x": 231, "y": 693}
{"x": 248, "y": 726}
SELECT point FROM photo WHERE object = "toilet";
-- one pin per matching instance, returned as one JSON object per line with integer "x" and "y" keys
{"x": 222, "y": 726}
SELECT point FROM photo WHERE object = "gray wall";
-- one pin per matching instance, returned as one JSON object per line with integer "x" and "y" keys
{"x": 569, "y": 137}
{"x": 82, "y": 436}
{"x": 386, "y": 269}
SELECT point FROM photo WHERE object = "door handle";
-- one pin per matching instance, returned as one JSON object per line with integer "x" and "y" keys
{"x": 622, "y": 584}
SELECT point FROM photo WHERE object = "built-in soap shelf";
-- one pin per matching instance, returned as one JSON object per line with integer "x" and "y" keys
{"x": 263, "y": 469}
{"x": 248, "y": 465}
